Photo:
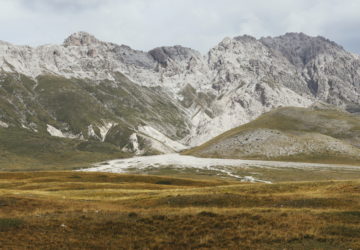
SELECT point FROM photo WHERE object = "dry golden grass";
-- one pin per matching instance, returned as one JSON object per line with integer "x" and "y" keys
{"x": 67, "y": 210}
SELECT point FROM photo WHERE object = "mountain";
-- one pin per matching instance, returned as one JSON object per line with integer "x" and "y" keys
{"x": 315, "y": 134}
{"x": 168, "y": 98}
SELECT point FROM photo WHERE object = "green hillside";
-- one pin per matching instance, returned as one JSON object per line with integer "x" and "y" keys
{"x": 21, "y": 149}
{"x": 291, "y": 134}
{"x": 80, "y": 108}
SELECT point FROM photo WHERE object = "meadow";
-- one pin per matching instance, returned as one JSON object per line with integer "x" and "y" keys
{"x": 62, "y": 210}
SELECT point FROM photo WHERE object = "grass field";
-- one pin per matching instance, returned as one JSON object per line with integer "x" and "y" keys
{"x": 61, "y": 210}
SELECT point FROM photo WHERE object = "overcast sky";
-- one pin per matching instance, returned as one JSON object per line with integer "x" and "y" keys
{"x": 199, "y": 24}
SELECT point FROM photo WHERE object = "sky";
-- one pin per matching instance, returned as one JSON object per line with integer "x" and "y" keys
{"x": 199, "y": 24}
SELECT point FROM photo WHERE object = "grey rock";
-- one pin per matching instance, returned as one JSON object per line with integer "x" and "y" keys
{"x": 80, "y": 39}
{"x": 235, "y": 82}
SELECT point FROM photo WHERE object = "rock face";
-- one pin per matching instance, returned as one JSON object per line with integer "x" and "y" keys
{"x": 235, "y": 82}
{"x": 81, "y": 39}
{"x": 331, "y": 73}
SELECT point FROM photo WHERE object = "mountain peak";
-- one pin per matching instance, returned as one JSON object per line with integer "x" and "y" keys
{"x": 245, "y": 38}
{"x": 300, "y": 48}
{"x": 80, "y": 38}
{"x": 177, "y": 52}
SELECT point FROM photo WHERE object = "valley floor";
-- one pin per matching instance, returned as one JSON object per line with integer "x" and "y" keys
{"x": 236, "y": 169}
{"x": 77, "y": 210}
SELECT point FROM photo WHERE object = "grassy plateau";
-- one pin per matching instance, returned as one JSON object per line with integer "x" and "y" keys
{"x": 75, "y": 210}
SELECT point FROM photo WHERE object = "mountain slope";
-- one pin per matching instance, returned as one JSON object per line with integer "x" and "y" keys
{"x": 291, "y": 134}
{"x": 21, "y": 149}
{"x": 170, "y": 97}
{"x": 331, "y": 73}
{"x": 85, "y": 109}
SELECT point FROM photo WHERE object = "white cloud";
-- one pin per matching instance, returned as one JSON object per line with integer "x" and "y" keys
{"x": 144, "y": 24}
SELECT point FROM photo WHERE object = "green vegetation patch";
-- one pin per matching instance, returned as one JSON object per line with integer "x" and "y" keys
{"x": 21, "y": 149}
{"x": 10, "y": 223}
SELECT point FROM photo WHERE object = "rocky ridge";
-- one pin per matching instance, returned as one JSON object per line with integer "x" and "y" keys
{"x": 235, "y": 82}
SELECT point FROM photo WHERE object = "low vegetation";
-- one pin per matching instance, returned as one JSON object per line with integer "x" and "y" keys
{"x": 21, "y": 149}
{"x": 54, "y": 210}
